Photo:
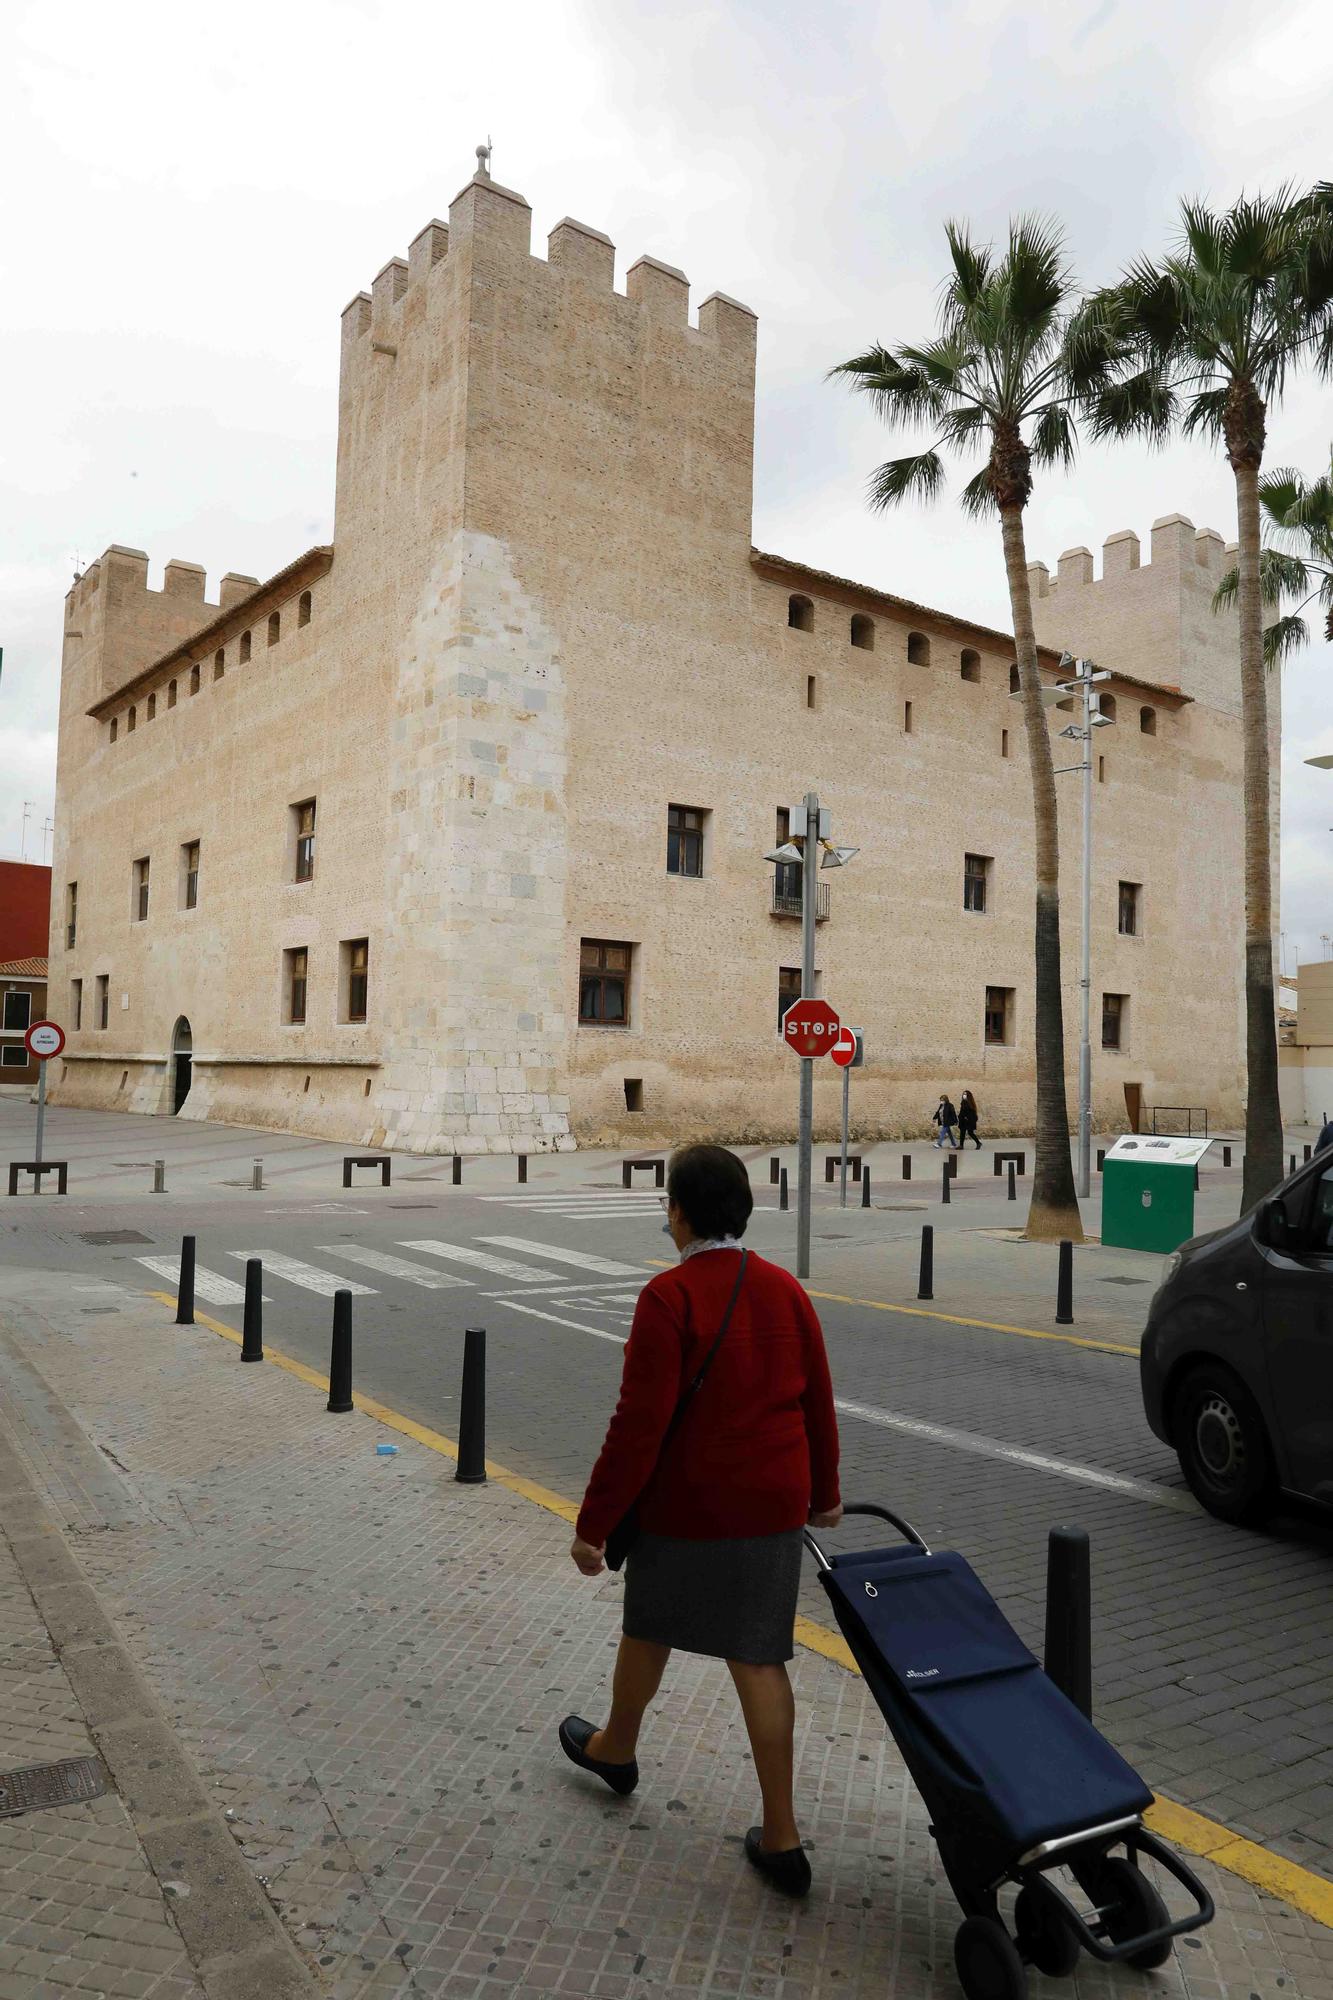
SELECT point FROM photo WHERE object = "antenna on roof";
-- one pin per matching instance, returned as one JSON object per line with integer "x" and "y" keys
{"x": 484, "y": 161}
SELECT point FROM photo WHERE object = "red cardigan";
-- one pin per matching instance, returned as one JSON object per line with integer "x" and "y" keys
{"x": 758, "y": 1449}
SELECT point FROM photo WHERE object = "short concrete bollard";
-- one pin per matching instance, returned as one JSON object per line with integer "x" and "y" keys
{"x": 257, "y": 1178}
{"x": 340, "y": 1359}
{"x": 782, "y": 1192}
{"x": 865, "y": 1187}
{"x": 1068, "y": 1659}
{"x": 907, "y": 1166}
{"x": 1013, "y": 1182}
{"x": 471, "y": 1469}
{"x": 1064, "y": 1286}
{"x": 945, "y": 1178}
{"x": 252, "y": 1324}
{"x": 159, "y": 1176}
{"x": 456, "y": 1175}
{"x": 925, "y": 1282}
{"x": 185, "y": 1285}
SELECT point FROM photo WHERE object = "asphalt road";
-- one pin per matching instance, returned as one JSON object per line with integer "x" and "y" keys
{"x": 1211, "y": 1644}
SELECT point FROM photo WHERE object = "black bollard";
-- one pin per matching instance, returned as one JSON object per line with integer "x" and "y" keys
{"x": 340, "y": 1361}
{"x": 1196, "y": 1180}
{"x": 945, "y": 1178}
{"x": 1013, "y": 1182}
{"x": 1101, "y": 1158}
{"x": 457, "y": 1174}
{"x": 185, "y": 1287}
{"x": 472, "y": 1410}
{"x": 1307, "y": 1156}
{"x": 1226, "y": 1156}
{"x": 522, "y": 1169}
{"x": 774, "y": 1168}
{"x": 951, "y": 1162}
{"x": 1291, "y": 1164}
{"x": 1064, "y": 1287}
{"x": 1069, "y": 1615}
{"x": 252, "y": 1325}
{"x": 782, "y": 1191}
{"x": 865, "y": 1187}
{"x": 925, "y": 1284}
{"x": 907, "y": 1166}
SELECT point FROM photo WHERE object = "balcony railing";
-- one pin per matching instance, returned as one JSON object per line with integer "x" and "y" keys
{"x": 787, "y": 897}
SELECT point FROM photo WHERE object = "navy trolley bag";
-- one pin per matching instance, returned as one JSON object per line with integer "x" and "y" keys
{"x": 1017, "y": 1781}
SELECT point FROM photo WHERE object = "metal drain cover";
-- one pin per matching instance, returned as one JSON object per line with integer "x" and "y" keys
{"x": 39, "y": 1785}
{"x": 112, "y": 1236}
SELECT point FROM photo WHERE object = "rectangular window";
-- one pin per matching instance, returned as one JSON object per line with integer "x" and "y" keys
{"x": 685, "y": 840}
{"x": 71, "y": 915}
{"x": 999, "y": 1015}
{"x": 789, "y": 989}
{"x": 190, "y": 867}
{"x": 103, "y": 998}
{"x": 604, "y": 974}
{"x": 18, "y": 1012}
{"x": 76, "y": 1004}
{"x": 1129, "y": 909}
{"x": 141, "y": 890}
{"x": 295, "y": 965}
{"x": 976, "y": 871}
{"x": 907, "y": 718}
{"x": 1004, "y": 742}
{"x": 244, "y": 648}
{"x": 1115, "y": 1019}
{"x": 355, "y": 971}
{"x": 305, "y": 840}
{"x": 1101, "y": 770}
{"x": 14, "y": 1055}
{"x": 810, "y": 691}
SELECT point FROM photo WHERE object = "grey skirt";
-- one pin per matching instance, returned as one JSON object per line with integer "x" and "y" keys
{"x": 731, "y": 1600}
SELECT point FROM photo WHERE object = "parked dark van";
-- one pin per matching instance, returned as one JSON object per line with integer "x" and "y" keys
{"x": 1236, "y": 1361}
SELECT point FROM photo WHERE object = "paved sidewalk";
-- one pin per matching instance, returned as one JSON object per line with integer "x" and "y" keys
{"x": 365, "y": 1663}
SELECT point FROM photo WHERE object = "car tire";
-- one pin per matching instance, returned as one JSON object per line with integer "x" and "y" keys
{"x": 1222, "y": 1445}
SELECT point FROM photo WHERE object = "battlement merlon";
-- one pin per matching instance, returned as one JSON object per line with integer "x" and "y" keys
{"x": 1195, "y": 555}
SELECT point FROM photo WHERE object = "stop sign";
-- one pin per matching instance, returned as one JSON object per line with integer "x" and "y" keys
{"x": 810, "y": 1027}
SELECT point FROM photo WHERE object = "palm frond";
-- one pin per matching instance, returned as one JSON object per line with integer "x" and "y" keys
{"x": 971, "y": 264}
{"x": 1204, "y": 238}
{"x": 901, "y": 392}
{"x": 920, "y": 476}
{"x": 977, "y": 498}
{"x": 1204, "y": 412}
{"x": 1140, "y": 405}
{"x": 1258, "y": 236}
{"x": 1279, "y": 576}
{"x": 1035, "y": 273}
{"x": 1054, "y": 441}
{"x": 1285, "y": 637}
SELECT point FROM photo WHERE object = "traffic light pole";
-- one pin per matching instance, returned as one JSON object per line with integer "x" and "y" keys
{"x": 806, "y": 1119}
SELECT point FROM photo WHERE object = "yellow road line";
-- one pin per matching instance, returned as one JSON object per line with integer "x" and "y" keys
{"x": 1273, "y": 1873}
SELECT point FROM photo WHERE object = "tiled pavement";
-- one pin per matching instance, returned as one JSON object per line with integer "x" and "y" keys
{"x": 366, "y": 1661}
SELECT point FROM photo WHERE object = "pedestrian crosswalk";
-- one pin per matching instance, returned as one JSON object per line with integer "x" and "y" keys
{"x": 501, "y": 1264}
{"x": 600, "y": 1205}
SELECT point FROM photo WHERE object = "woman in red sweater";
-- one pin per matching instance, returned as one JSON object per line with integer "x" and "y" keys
{"x": 722, "y": 1502}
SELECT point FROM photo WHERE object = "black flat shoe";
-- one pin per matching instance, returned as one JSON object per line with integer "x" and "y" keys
{"x": 788, "y": 1871}
{"x": 574, "y": 1734}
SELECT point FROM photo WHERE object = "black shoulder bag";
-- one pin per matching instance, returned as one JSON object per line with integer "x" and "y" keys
{"x": 626, "y": 1531}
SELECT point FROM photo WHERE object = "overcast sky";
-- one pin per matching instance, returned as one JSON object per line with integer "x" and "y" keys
{"x": 192, "y": 196}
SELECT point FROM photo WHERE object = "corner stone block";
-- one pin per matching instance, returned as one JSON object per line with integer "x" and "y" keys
{"x": 1120, "y": 553}
{"x": 583, "y": 252}
{"x": 661, "y": 290}
{"x": 356, "y": 318}
{"x": 485, "y": 213}
{"x": 234, "y": 588}
{"x": 1039, "y": 577}
{"x": 124, "y": 570}
{"x": 184, "y": 579}
{"x": 1075, "y": 567}
{"x": 1173, "y": 541}
{"x": 388, "y": 288}
{"x": 1208, "y": 550}
{"x": 727, "y": 321}
{"x": 426, "y": 249}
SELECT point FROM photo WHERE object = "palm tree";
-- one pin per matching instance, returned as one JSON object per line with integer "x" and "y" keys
{"x": 1001, "y": 375}
{"x": 1296, "y": 561}
{"x": 1207, "y": 337}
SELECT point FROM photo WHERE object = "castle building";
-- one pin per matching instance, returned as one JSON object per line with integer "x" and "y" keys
{"x": 450, "y": 836}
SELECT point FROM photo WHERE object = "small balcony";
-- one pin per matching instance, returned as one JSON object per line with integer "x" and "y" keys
{"x": 786, "y": 895}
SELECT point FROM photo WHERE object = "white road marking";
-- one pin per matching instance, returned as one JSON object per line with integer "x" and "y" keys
{"x": 1013, "y": 1454}
{"x": 562, "y": 1286}
{"x": 603, "y": 1266}
{"x": 308, "y": 1276}
{"x": 499, "y": 1267}
{"x": 210, "y": 1285}
{"x": 597, "y": 1332}
{"x": 394, "y": 1267}
{"x": 572, "y": 1194}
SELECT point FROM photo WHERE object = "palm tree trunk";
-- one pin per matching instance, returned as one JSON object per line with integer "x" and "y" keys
{"x": 1053, "y": 1210}
{"x": 1263, "y": 1113}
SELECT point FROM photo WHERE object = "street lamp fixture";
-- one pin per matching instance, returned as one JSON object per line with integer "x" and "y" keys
{"x": 1321, "y": 763}
{"x": 837, "y": 857}
{"x": 788, "y": 851}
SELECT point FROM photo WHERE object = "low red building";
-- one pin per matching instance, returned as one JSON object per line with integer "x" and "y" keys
{"x": 25, "y": 927}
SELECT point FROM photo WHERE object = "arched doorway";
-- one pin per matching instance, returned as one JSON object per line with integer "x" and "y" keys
{"x": 182, "y": 1064}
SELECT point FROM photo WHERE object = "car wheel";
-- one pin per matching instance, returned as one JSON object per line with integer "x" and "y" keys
{"x": 1222, "y": 1445}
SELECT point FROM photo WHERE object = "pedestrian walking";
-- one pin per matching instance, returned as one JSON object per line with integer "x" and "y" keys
{"x": 967, "y": 1121}
{"x": 723, "y": 1445}
{"x": 946, "y": 1118}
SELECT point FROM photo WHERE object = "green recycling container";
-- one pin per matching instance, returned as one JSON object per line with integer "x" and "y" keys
{"x": 1147, "y": 1204}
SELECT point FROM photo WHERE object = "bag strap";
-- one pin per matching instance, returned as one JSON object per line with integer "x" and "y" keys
{"x": 692, "y": 1388}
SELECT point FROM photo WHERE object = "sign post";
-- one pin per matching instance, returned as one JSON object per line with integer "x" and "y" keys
{"x": 848, "y": 1052}
{"x": 810, "y": 1028}
{"x": 44, "y": 1040}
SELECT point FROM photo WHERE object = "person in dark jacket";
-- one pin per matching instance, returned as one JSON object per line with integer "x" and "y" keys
{"x": 717, "y": 1562}
{"x": 946, "y": 1118}
{"x": 967, "y": 1121}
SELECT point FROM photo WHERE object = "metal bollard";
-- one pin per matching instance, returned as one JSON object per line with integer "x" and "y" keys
{"x": 522, "y": 1169}
{"x": 340, "y": 1360}
{"x": 252, "y": 1325}
{"x": 1064, "y": 1286}
{"x": 257, "y": 1178}
{"x": 865, "y": 1187}
{"x": 456, "y": 1176}
{"x": 1013, "y": 1182}
{"x": 1069, "y": 1615}
{"x": 1226, "y": 1156}
{"x": 1291, "y": 1163}
{"x": 472, "y": 1410}
{"x": 1307, "y": 1156}
{"x": 782, "y": 1191}
{"x": 925, "y": 1283}
{"x": 774, "y": 1168}
{"x": 945, "y": 1178}
{"x": 185, "y": 1286}
{"x": 907, "y": 1166}
{"x": 1101, "y": 1158}
{"x": 951, "y": 1162}
{"x": 159, "y": 1176}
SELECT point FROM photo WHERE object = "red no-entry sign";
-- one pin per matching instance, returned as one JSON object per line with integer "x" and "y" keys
{"x": 810, "y": 1027}
{"x": 845, "y": 1046}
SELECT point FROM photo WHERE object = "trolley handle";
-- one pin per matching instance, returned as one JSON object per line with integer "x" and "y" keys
{"x": 905, "y": 1529}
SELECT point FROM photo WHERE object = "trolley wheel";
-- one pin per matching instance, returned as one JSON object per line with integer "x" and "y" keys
{"x": 1131, "y": 1906}
{"x": 1045, "y": 1937}
{"x": 1222, "y": 1445}
{"x": 987, "y": 1961}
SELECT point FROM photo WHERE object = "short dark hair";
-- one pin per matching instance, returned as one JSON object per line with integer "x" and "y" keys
{"x": 711, "y": 1189}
